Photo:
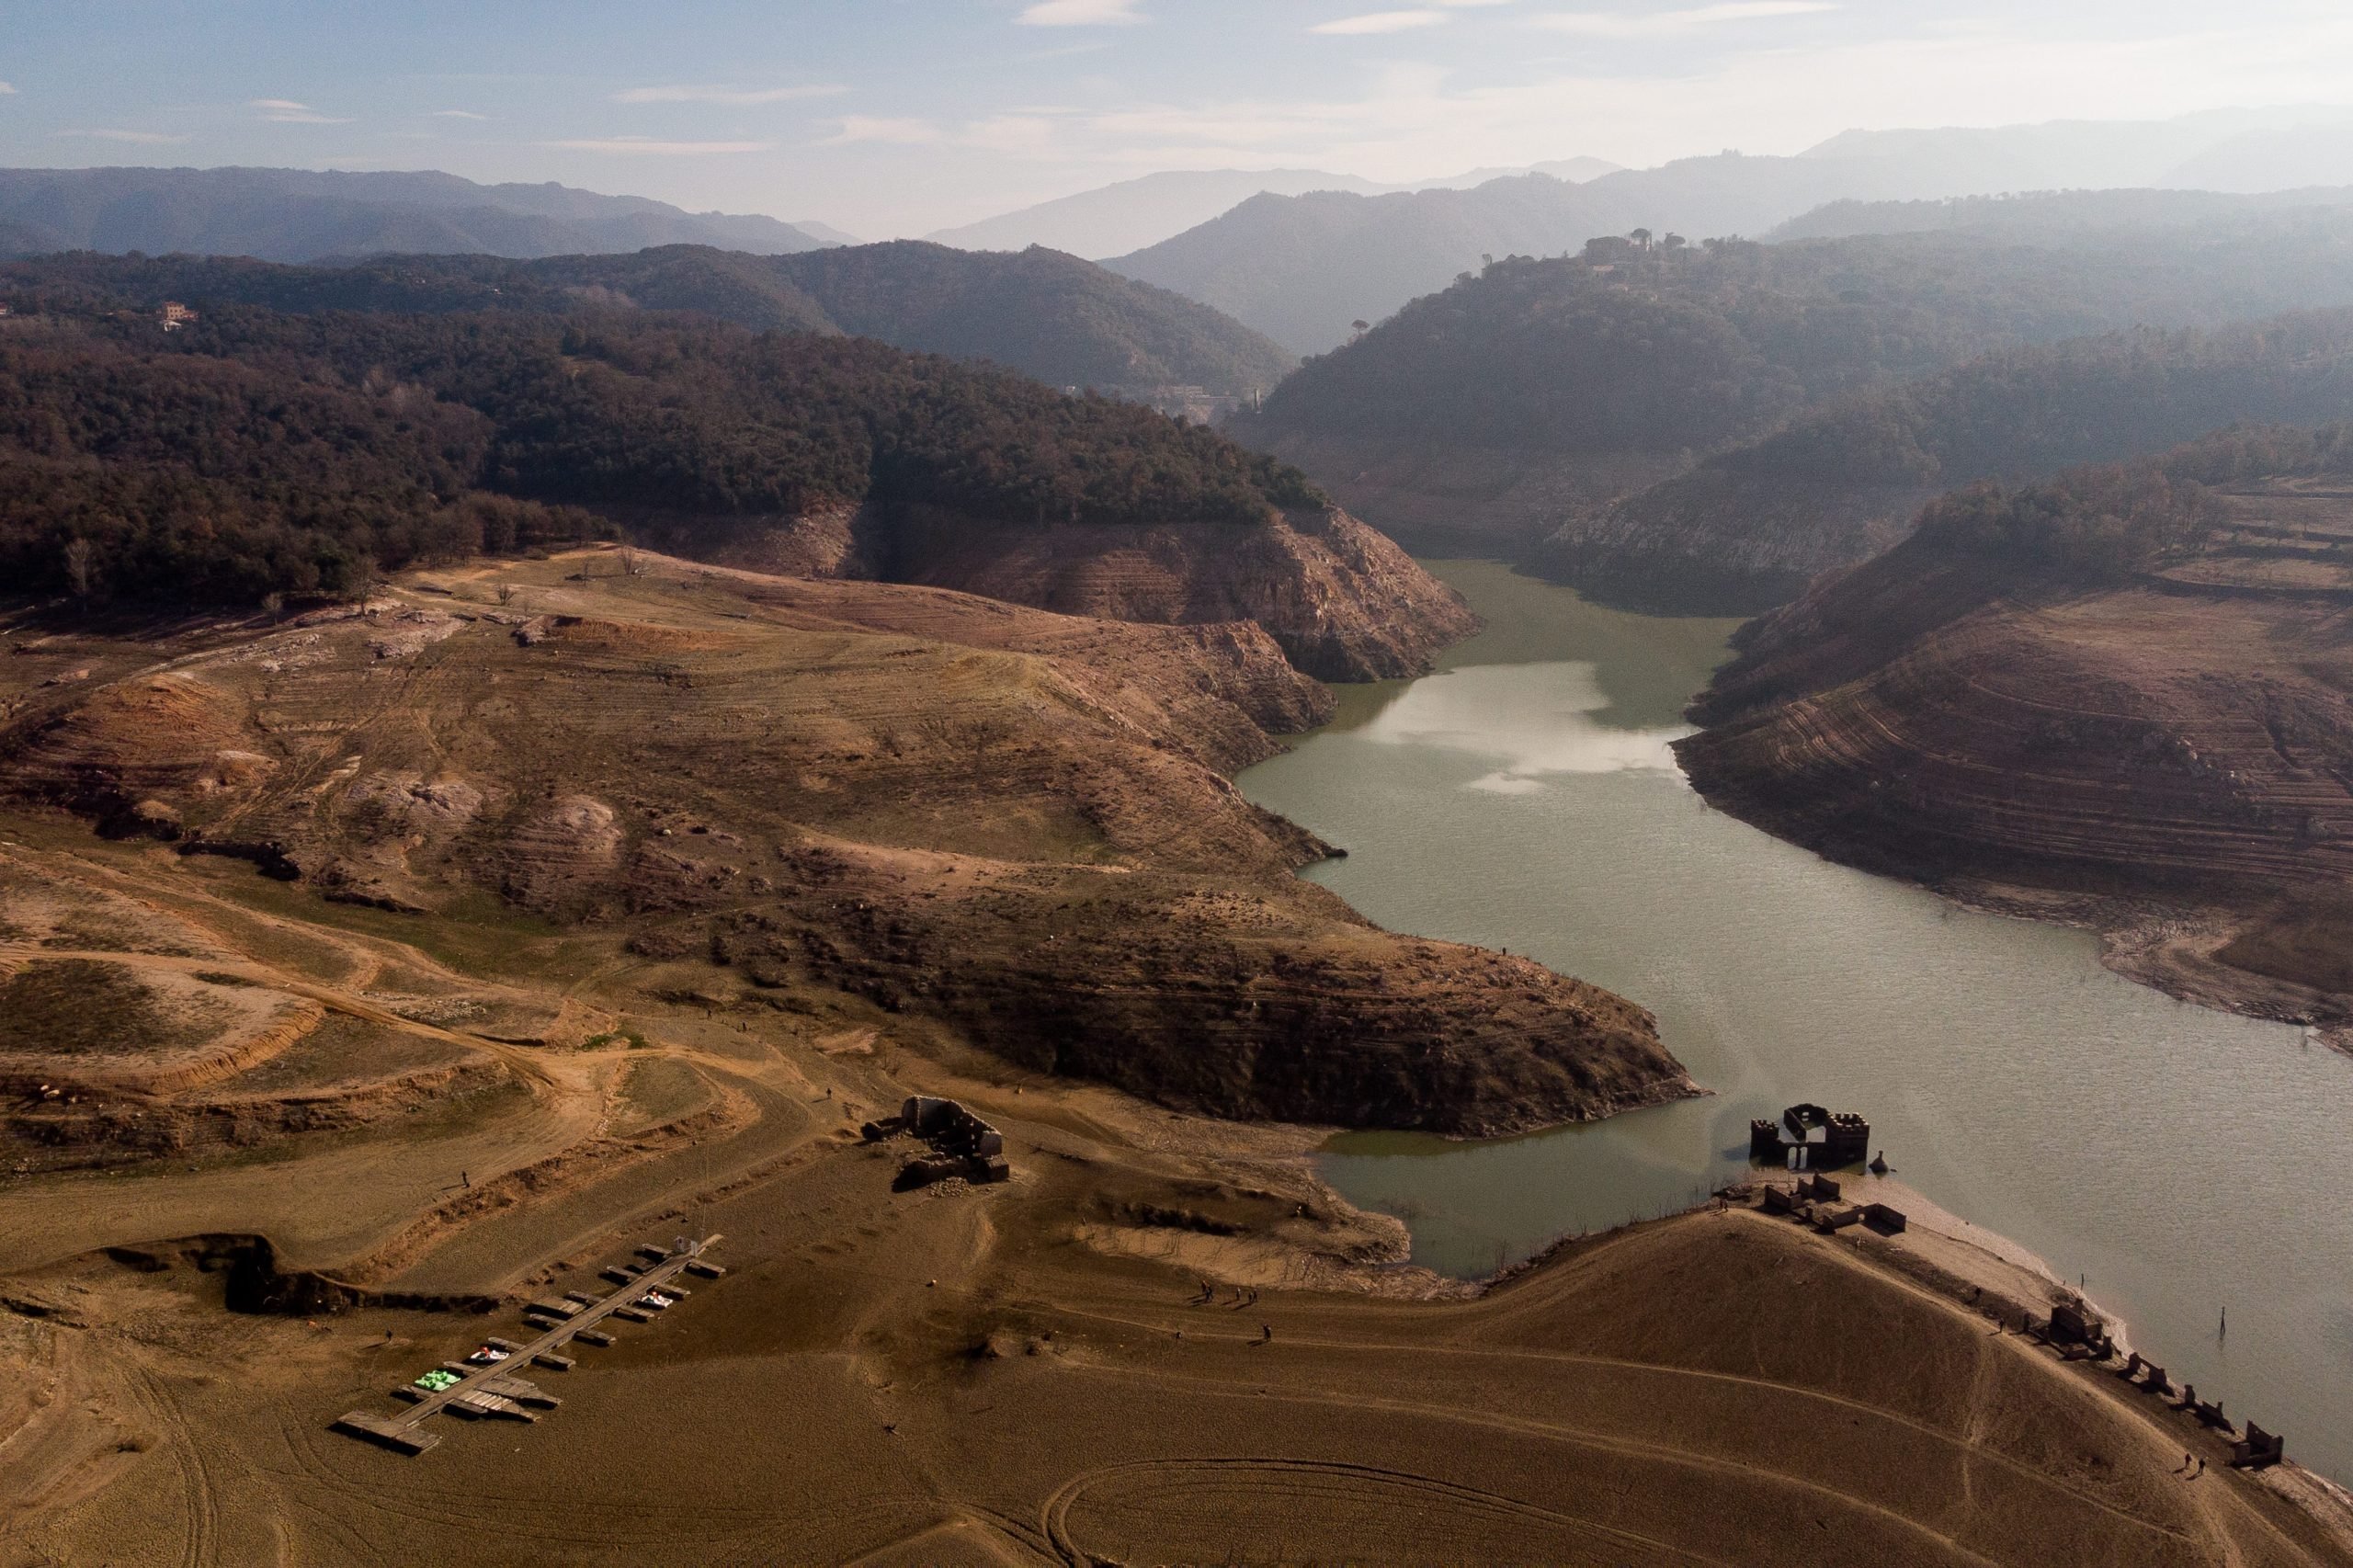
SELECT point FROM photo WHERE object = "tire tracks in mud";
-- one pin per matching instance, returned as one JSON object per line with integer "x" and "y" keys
{"x": 199, "y": 1545}
{"x": 1628, "y": 1449}
{"x": 1964, "y": 1448}
{"x": 1428, "y": 1491}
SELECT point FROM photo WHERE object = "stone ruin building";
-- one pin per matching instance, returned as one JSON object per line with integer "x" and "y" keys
{"x": 962, "y": 1143}
{"x": 1809, "y": 1138}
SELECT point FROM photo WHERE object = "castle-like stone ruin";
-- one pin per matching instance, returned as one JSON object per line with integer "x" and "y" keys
{"x": 1809, "y": 1138}
{"x": 962, "y": 1143}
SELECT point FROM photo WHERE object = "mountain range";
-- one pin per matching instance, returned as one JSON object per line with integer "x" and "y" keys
{"x": 1131, "y": 214}
{"x": 1581, "y": 401}
{"x": 1062, "y": 321}
{"x": 308, "y": 214}
{"x": 1303, "y": 268}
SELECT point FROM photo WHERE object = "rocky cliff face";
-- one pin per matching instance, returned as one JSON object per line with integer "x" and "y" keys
{"x": 1716, "y": 542}
{"x": 2180, "y": 735}
{"x": 1443, "y": 499}
{"x": 1641, "y": 530}
{"x": 1012, "y": 825}
{"x": 1344, "y": 602}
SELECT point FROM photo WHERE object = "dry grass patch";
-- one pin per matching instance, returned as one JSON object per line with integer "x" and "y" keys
{"x": 87, "y": 1007}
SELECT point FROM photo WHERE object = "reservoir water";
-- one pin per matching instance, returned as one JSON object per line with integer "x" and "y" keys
{"x": 2179, "y": 1159}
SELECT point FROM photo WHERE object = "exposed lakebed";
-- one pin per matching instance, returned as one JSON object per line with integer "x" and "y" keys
{"x": 2181, "y": 1160}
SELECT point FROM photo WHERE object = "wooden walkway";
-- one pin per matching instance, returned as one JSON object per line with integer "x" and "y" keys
{"x": 479, "y": 1392}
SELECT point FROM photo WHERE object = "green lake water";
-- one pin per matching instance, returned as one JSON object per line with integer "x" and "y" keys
{"x": 1524, "y": 797}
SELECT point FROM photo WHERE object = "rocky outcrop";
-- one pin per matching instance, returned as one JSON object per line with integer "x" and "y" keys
{"x": 2180, "y": 736}
{"x": 1238, "y": 1006}
{"x": 1344, "y": 602}
{"x": 1718, "y": 540}
{"x": 826, "y": 542}
{"x": 1442, "y": 499}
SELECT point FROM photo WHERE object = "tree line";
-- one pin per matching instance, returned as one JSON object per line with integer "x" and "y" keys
{"x": 1640, "y": 347}
{"x": 255, "y": 452}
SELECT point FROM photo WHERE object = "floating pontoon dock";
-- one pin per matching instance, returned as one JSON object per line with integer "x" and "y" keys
{"x": 494, "y": 1390}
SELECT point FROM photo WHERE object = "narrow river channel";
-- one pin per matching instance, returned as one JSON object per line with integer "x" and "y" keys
{"x": 2182, "y": 1161}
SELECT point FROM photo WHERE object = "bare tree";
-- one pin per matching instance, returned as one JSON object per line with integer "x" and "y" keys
{"x": 81, "y": 569}
{"x": 506, "y": 592}
{"x": 631, "y": 567}
{"x": 365, "y": 579}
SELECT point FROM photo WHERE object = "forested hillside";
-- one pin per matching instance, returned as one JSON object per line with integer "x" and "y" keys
{"x": 254, "y": 452}
{"x": 1746, "y": 529}
{"x": 1066, "y": 321}
{"x": 1541, "y": 393}
{"x": 2084, "y": 217}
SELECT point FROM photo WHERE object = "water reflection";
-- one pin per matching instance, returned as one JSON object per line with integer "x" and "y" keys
{"x": 1538, "y": 720}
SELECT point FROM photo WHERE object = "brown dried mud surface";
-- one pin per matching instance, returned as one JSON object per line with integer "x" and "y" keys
{"x": 962, "y": 1377}
{"x": 2169, "y": 758}
{"x": 607, "y": 908}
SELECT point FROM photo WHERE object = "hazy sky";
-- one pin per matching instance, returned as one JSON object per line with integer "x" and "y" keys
{"x": 890, "y": 117}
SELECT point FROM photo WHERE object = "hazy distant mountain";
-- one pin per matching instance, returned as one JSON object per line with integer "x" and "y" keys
{"x": 1574, "y": 170}
{"x": 302, "y": 214}
{"x": 2088, "y": 217}
{"x": 2244, "y": 150}
{"x": 1063, "y": 321}
{"x": 2270, "y": 160}
{"x": 827, "y": 233}
{"x": 1115, "y": 219}
{"x": 1302, "y": 268}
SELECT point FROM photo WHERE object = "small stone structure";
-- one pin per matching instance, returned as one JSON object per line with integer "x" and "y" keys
{"x": 2072, "y": 1329}
{"x": 2257, "y": 1449}
{"x": 962, "y": 1143}
{"x": 1809, "y": 1138}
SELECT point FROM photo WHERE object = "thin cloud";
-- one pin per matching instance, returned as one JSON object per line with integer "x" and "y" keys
{"x": 1380, "y": 22}
{"x": 683, "y": 94}
{"x": 875, "y": 128}
{"x": 1673, "y": 24}
{"x": 455, "y": 114}
{"x": 286, "y": 111}
{"x": 143, "y": 137}
{"x": 6, "y": 88}
{"x": 1080, "y": 14}
{"x": 1065, "y": 51}
{"x": 645, "y": 147}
